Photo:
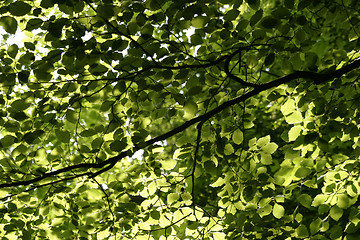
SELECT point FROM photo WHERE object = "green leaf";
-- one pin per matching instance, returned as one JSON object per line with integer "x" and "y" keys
{"x": 231, "y": 15}
{"x": 71, "y": 116}
{"x": 47, "y": 3}
{"x": 118, "y": 146}
{"x": 228, "y": 149}
{"x": 288, "y": 107}
{"x": 237, "y": 136}
{"x": 172, "y": 197}
{"x": 263, "y": 141}
{"x": 289, "y": 3}
{"x": 20, "y": 105}
{"x": 270, "y": 22}
{"x": 13, "y": 50}
{"x": 264, "y": 211}
{"x": 168, "y": 164}
{"x": 55, "y": 29}
{"x": 196, "y": 39}
{"x": 343, "y": 201}
{"x": 336, "y": 213}
{"x": 219, "y": 182}
{"x": 7, "y": 141}
{"x": 269, "y": 59}
{"x": 302, "y": 172}
{"x": 254, "y": 4}
{"x": 190, "y": 107}
{"x": 300, "y": 35}
{"x": 294, "y": 117}
{"x": 19, "y": 8}
{"x": 294, "y": 133}
{"x": 199, "y": 22}
{"x": 305, "y": 200}
{"x": 315, "y": 226}
{"x": 248, "y": 193}
{"x": 302, "y": 231}
{"x": 266, "y": 158}
{"x": 62, "y": 135}
{"x": 219, "y": 235}
{"x": 88, "y": 133}
{"x": 242, "y": 24}
{"x": 9, "y": 24}
{"x": 269, "y": 148}
{"x": 278, "y": 211}
{"x": 34, "y": 23}
{"x": 281, "y": 12}
{"x": 105, "y": 11}
{"x": 256, "y": 17}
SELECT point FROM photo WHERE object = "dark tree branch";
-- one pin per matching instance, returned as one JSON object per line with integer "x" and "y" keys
{"x": 317, "y": 78}
{"x": 42, "y": 185}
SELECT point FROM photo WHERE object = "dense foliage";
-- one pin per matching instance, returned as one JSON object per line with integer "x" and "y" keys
{"x": 167, "y": 119}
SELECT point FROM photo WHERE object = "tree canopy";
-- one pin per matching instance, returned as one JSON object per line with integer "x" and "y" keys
{"x": 167, "y": 119}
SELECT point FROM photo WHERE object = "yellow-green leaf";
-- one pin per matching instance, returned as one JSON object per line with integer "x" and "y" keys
{"x": 168, "y": 164}
{"x": 294, "y": 117}
{"x": 199, "y": 22}
{"x": 263, "y": 141}
{"x": 238, "y": 136}
{"x": 172, "y": 197}
{"x": 294, "y": 133}
{"x": 190, "y": 107}
{"x": 278, "y": 211}
{"x": 336, "y": 213}
{"x": 228, "y": 149}
{"x": 319, "y": 199}
{"x": 288, "y": 107}
{"x": 269, "y": 148}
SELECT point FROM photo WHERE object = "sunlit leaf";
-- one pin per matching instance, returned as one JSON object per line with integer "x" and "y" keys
{"x": 228, "y": 149}
{"x": 343, "y": 201}
{"x": 319, "y": 199}
{"x": 294, "y": 132}
{"x": 269, "y": 148}
{"x": 190, "y": 107}
{"x": 172, "y": 197}
{"x": 278, "y": 211}
{"x": 101, "y": 104}
{"x": 336, "y": 213}
{"x": 294, "y": 117}
{"x": 237, "y": 136}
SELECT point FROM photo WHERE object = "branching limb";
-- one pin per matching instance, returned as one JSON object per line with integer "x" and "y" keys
{"x": 42, "y": 185}
{"x": 108, "y": 202}
{"x": 317, "y": 78}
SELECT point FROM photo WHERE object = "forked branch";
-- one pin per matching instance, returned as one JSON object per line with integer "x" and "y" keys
{"x": 106, "y": 165}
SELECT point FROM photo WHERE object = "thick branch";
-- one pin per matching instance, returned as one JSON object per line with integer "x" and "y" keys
{"x": 109, "y": 163}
